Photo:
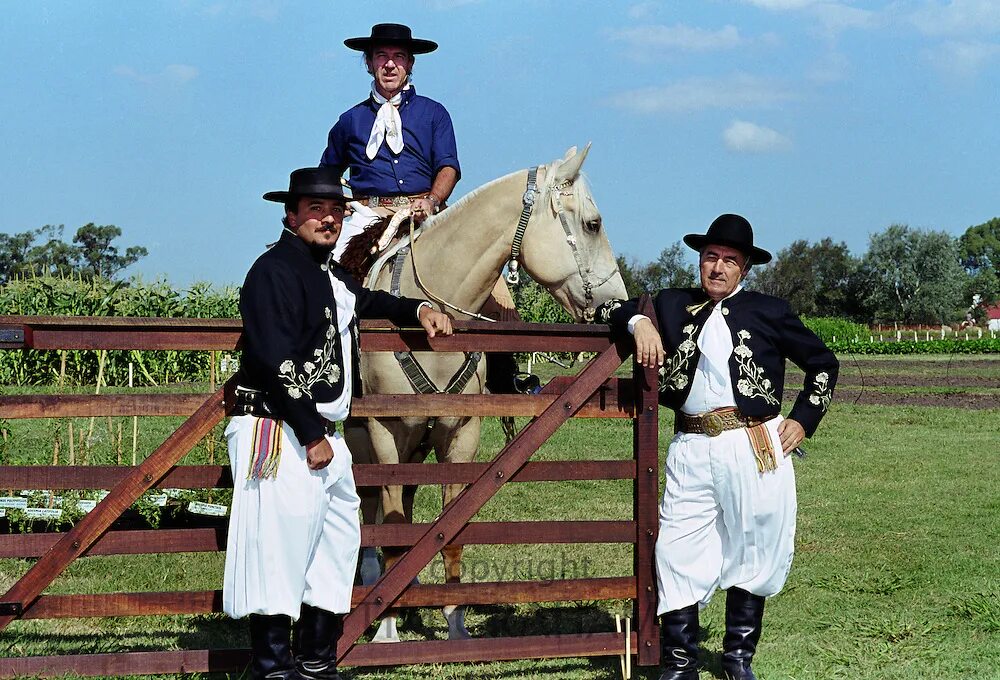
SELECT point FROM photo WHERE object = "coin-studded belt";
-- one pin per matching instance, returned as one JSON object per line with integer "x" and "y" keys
{"x": 716, "y": 422}
{"x": 388, "y": 201}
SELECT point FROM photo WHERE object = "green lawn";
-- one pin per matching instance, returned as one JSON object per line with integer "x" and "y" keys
{"x": 897, "y": 571}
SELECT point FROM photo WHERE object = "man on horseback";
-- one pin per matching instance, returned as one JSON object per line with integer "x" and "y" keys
{"x": 399, "y": 146}
{"x": 294, "y": 533}
{"x": 401, "y": 151}
{"x": 728, "y": 514}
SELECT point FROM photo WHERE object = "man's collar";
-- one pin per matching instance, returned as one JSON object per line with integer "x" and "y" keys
{"x": 317, "y": 255}
{"x": 703, "y": 301}
{"x": 405, "y": 95}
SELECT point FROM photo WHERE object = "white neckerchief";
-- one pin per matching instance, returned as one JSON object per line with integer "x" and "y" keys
{"x": 712, "y": 387}
{"x": 388, "y": 126}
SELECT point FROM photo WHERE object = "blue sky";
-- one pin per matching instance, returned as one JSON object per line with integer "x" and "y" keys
{"x": 812, "y": 118}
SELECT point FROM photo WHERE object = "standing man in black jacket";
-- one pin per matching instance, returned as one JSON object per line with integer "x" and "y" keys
{"x": 294, "y": 532}
{"x": 728, "y": 513}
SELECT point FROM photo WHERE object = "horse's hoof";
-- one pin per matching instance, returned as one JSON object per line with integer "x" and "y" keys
{"x": 386, "y": 631}
{"x": 455, "y": 616}
{"x": 371, "y": 570}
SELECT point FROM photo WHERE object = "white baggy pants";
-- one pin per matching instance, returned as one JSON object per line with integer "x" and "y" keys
{"x": 723, "y": 524}
{"x": 293, "y": 538}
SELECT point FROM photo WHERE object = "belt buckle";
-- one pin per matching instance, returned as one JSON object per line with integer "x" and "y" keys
{"x": 400, "y": 201}
{"x": 712, "y": 424}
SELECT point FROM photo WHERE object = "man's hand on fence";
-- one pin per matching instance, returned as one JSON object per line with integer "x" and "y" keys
{"x": 434, "y": 322}
{"x": 648, "y": 345}
{"x": 318, "y": 454}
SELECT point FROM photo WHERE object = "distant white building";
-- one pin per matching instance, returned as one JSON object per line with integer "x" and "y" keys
{"x": 993, "y": 317}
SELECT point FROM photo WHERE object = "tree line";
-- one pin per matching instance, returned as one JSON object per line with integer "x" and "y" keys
{"x": 43, "y": 252}
{"x": 907, "y": 275}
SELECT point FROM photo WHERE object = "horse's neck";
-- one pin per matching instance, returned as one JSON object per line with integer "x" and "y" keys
{"x": 461, "y": 253}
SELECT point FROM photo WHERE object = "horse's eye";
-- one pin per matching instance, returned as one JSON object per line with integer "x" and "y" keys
{"x": 593, "y": 226}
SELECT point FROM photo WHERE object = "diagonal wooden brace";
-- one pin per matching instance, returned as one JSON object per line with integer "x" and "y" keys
{"x": 455, "y": 516}
{"x": 27, "y": 589}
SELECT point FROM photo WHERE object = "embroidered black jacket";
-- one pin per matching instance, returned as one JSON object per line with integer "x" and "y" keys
{"x": 291, "y": 347}
{"x": 765, "y": 333}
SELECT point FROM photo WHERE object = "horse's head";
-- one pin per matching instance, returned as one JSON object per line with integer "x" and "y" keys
{"x": 565, "y": 247}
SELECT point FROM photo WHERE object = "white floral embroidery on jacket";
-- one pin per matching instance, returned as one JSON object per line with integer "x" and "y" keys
{"x": 605, "y": 310}
{"x": 673, "y": 372}
{"x": 323, "y": 369}
{"x": 822, "y": 395}
{"x": 752, "y": 383}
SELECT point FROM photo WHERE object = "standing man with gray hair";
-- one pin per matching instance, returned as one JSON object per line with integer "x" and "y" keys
{"x": 728, "y": 514}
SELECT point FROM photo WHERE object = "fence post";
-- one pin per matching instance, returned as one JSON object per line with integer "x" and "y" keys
{"x": 645, "y": 441}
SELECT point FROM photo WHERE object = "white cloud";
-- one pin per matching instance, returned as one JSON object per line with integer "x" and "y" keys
{"x": 782, "y": 5}
{"x": 179, "y": 73}
{"x": 698, "y": 94}
{"x": 963, "y": 59}
{"x": 643, "y": 10}
{"x": 172, "y": 74}
{"x": 744, "y": 137}
{"x": 833, "y": 15}
{"x": 837, "y": 17}
{"x": 958, "y": 17}
{"x": 679, "y": 37}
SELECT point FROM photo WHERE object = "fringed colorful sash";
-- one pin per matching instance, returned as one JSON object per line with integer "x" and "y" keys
{"x": 763, "y": 450}
{"x": 266, "y": 449}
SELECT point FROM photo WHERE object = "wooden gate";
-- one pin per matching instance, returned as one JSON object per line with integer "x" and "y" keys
{"x": 594, "y": 392}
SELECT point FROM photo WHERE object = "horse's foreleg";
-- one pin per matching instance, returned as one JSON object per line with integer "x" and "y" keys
{"x": 458, "y": 444}
{"x": 358, "y": 441}
{"x": 392, "y": 442}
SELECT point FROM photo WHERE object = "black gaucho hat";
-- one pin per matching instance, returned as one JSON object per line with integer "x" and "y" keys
{"x": 392, "y": 34}
{"x": 733, "y": 231}
{"x": 321, "y": 182}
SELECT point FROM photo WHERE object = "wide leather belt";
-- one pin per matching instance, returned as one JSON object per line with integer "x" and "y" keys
{"x": 251, "y": 402}
{"x": 388, "y": 201}
{"x": 716, "y": 422}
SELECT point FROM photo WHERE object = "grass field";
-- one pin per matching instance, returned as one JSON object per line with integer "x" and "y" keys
{"x": 896, "y": 575}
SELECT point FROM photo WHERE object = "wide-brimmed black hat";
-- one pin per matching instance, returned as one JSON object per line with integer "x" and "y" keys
{"x": 322, "y": 182}
{"x": 394, "y": 34}
{"x": 733, "y": 231}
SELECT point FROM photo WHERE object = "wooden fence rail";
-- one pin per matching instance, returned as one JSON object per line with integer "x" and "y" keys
{"x": 593, "y": 393}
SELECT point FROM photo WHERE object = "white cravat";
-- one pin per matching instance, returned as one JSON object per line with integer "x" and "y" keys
{"x": 388, "y": 126}
{"x": 712, "y": 387}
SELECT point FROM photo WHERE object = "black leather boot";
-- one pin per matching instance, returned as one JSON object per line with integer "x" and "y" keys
{"x": 744, "y": 618}
{"x": 316, "y": 635}
{"x": 679, "y": 644}
{"x": 270, "y": 642}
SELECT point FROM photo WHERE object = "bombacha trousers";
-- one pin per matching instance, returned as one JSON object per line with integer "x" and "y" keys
{"x": 723, "y": 523}
{"x": 293, "y": 539}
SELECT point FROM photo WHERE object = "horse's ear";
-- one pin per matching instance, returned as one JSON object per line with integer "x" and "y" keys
{"x": 570, "y": 152}
{"x": 570, "y": 167}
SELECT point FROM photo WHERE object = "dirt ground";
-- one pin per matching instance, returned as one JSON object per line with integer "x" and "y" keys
{"x": 955, "y": 382}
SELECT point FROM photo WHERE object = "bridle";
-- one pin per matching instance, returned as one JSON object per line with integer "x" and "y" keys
{"x": 527, "y": 205}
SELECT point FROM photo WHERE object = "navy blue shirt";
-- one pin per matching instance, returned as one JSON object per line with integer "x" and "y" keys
{"x": 429, "y": 145}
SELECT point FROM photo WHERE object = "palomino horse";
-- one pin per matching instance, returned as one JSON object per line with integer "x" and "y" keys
{"x": 459, "y": 256}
